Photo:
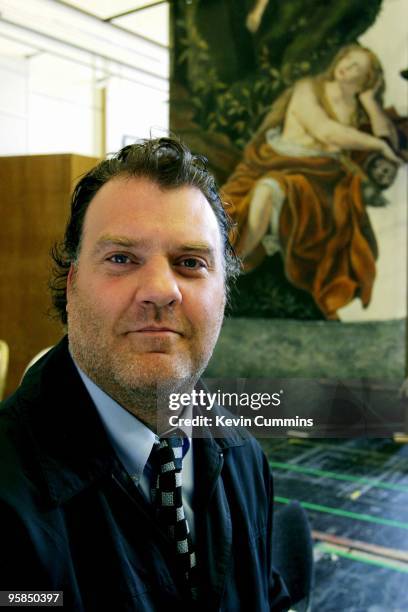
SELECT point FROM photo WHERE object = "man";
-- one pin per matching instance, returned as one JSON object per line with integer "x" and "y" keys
{"x": 141, "y": 283}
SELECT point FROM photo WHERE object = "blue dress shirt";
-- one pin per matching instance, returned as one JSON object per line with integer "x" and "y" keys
{"x": 133, "y": 441}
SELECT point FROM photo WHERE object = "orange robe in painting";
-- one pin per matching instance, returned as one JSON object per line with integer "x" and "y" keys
{"x": 328, "y": 245}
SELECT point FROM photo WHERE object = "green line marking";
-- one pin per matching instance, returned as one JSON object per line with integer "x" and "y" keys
{"x": 372, "y": 455}
{"x": 337, "y": 511}
{"x": 356, "y": 556}
{"x": 338, "y": 476}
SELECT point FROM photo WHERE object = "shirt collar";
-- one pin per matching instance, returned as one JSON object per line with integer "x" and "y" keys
{"x": 131, "y": 439}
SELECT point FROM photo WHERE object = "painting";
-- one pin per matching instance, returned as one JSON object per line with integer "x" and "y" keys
{"x": 300, "y": 107}
{"x": 297, "y": 106}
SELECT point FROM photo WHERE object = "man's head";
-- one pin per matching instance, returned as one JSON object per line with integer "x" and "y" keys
{"x": 143, "y": 271}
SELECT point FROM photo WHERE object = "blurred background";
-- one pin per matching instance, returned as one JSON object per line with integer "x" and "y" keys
{"x": 81, "y": 76}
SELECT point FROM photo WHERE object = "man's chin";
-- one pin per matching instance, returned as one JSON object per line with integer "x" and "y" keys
{"x": 156, "y": 370}
{"x": 149, "y": 392}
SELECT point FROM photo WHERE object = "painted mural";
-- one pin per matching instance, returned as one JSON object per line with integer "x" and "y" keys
{"x": 292, "y": 108}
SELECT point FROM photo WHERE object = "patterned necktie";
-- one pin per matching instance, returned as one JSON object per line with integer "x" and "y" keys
{"x": 167, "y": 457}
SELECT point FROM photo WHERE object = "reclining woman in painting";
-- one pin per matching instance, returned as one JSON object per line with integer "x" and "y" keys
{"x": 297, "y": 189}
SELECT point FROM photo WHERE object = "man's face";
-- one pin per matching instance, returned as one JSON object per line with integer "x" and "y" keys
{"x": 145, "y": 300}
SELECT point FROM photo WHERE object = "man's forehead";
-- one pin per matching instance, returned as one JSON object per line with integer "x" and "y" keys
{"x": 128, "y": 206}
{"x": 143, "y": 192}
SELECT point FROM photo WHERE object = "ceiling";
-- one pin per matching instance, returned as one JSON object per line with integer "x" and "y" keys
{"x": 146, "y": 18}
{"x": 127, "y": 38}
{"x": 107, "y": 9}
{"x": 120, "y": 21}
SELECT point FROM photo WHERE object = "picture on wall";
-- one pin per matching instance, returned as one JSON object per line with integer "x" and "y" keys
{"x": 300, "y": 108}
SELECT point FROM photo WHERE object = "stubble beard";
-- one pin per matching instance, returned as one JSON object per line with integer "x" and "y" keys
{"x": 133, "y": 379}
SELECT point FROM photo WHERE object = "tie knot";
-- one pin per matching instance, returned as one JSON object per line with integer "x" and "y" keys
{"x": 168, "y": 453}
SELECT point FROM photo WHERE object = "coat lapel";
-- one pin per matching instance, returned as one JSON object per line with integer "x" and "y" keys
{"x": 212, "y": 513}
{"x": 66, "y": 432}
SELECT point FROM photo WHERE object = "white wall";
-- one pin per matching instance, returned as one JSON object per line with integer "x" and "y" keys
{"x": 64, "y": 108}
{"x": 53, "y": 105}
{"x": 48, "y": 105}
{"x": 134, "y": 111}
{"x": 13, "y": 105}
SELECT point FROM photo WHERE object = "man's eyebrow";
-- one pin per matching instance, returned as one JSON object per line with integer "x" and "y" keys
{"x": 203, "y": 247}
{"x": 108, "y": 241}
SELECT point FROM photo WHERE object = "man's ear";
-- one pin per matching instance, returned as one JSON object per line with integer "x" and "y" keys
{"x": 71, "y": 274}
{"x": 70, "y": 282}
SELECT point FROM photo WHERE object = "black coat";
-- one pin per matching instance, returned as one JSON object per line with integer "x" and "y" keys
{"x": 72, "y": 520}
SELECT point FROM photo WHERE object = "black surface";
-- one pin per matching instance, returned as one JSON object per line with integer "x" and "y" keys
{"x": 345, "y": 584}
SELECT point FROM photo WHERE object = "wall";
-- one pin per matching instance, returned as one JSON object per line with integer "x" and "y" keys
{"x": 13, "y": 105}
{"x": 53, "y": 105}
{"x": 34, "y": 200}
{"x": 134, "y": 110}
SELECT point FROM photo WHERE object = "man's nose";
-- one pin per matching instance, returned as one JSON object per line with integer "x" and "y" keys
{"x": 158, "y": 284}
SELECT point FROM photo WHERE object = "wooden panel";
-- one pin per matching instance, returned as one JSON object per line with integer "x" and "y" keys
{"x": 34, "y": 195}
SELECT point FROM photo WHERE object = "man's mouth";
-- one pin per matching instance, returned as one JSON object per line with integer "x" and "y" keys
{"x": 157, "y": 330}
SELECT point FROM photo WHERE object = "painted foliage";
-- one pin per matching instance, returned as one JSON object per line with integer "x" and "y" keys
{"x": 289, "y": 108}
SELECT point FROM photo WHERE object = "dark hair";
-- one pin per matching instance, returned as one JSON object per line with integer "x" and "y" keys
{"x": 165, "y": 161}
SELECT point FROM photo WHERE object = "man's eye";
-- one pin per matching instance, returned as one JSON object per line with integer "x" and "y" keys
{"x": 192, "y": 263}
{"x": 119, "y": 259}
